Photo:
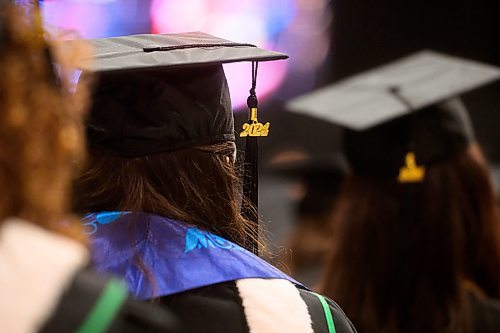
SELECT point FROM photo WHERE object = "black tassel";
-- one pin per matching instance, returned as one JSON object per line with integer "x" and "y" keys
{"x": 251, "y": 187}
{"x": 251, "y": 171}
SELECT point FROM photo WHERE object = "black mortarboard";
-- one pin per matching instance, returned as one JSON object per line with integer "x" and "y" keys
{"x": 158, "y": 93}
{"x": 385, "y": 136}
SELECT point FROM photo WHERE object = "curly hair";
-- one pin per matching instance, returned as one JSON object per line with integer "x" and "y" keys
{"x": 41, "y": 132}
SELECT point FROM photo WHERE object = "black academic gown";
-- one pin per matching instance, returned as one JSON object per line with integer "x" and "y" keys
{"x": 224, "y": 308}
{"x": 81, "y": 301}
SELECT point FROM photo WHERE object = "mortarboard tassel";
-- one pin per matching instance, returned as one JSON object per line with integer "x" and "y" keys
{"x": 251, "y": 131}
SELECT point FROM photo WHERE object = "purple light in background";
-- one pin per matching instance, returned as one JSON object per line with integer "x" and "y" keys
{"x": 299, "y": 28}
{"x": 98, "y": 18}
{"x": 178, "y": 16}
{"x": 88, "y": 19}
{"x": 307, "y": 41}
{"x": 239, "y": 77}
{"x": 249, "y": 21}
{"x": 243, "y": 28}
{"x": 278, "y": 15}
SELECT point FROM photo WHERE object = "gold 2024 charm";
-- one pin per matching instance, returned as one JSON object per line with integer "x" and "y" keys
{"x": 255, "y": 128}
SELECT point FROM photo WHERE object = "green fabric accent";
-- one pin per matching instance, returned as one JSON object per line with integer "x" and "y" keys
{"x": 328, "y": 314}
{"x": 105, "y": 309}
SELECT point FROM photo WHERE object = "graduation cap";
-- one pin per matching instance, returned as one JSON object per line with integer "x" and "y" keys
{"x": 402, "y": 117}
{"x": 160, "y": 93}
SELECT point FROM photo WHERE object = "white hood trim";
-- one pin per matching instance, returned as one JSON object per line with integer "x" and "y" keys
{"x": 274, "y": 306}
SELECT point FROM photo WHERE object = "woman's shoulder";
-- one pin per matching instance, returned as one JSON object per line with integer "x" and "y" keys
{"x": 253, "y": 305}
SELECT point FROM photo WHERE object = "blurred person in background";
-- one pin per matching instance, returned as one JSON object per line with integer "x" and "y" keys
{"x": 44, "y": 283}
{"x": 416, "y": 244}
{"x": 317, "y": 182}
{"x": 423, "y": 256}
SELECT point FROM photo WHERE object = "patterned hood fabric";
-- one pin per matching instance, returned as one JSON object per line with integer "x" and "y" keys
{"x": 158, "y": 256}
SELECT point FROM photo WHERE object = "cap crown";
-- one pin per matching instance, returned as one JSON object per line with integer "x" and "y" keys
{"x": 158, "y": 93}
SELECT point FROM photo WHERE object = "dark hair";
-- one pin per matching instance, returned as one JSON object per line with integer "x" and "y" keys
{"x": 309, "y": 241}
{"x": 403, "y": 251}
{"x": 199, "y": 186}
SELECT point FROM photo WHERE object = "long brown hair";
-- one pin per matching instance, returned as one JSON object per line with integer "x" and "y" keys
{"x": 41, "y": 137}
{"x": 197, "y": 185}
{"x": 403, "y": 252}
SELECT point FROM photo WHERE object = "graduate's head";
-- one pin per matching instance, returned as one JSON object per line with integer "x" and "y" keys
{"x": 163, "y": 142}
{"x": 41, "y": 135}
{"x": 161, "y": 130}
{"x": 416, "y": 216}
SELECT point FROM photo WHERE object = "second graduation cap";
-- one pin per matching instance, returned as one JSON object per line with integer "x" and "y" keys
{"x": 401, "y": 117}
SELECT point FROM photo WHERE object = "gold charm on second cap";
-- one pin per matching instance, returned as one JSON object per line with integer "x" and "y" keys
{"x": 255, "y": 128}
{"x": 410, "y": 172}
